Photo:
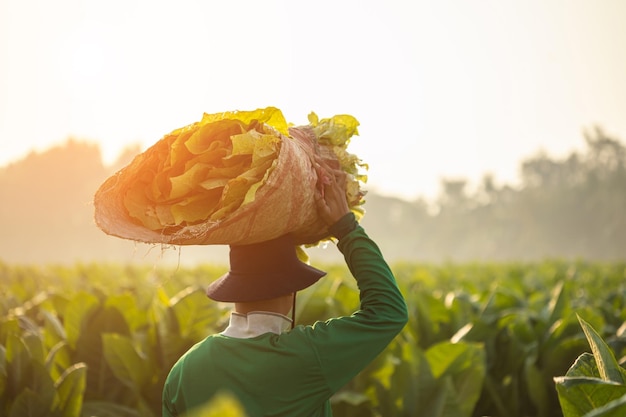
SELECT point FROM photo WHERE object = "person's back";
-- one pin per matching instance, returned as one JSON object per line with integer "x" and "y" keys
{"x": 276, "y": 371}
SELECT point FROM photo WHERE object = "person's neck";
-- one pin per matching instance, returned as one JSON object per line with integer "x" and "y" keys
{"x": 281, "y": 305}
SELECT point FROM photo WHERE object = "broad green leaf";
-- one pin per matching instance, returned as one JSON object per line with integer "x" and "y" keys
{"x": 413, "y": 384}
{"x": 465, "y": 365}
{"x": 108, "y": 409}
{"x": 56, "y": 303}
{"x": 557, "y": 359}
{"x": 584, "y": 366}
{"x": 500, "y": 302}
{"x": 583, "y": 389}
{"x": 607, "y": 365}
{"x": 615, "y": 408}
{"x": 128, "y": 365}
{"x": 58, "y": 360}
{"x": 77, "y": 312}
{"x": 34, "y": 344}
{"x": 3, "y": 370}
{"x": 432, "y": 315}
{"x": 537, "y": 387}
{"x": 195, "y": 315}
{"x": 435, "y": 404}
{"x": 53, "y": 329}
{"x": 29, "y": 404}
{"x": 8, "y": 326}
{"x": 41, "y": 383}
{"x": 563, "y": 328}
{"x": 475, "y": 332}
{"x": 571, "y": 382}
{"x": 501, "y": 406}
{"x": 70, "y": 389}
{"x": 580, "y": 395}
{"x": 520, "y": 326}
{"x": 18, "y": 361}
{"x": 559, "y": 304}
{"x": 28, "y": 378}
{"x": 169, "y": 344}
{"x": 132, "y": 312}
{"x": 101, "y": 381}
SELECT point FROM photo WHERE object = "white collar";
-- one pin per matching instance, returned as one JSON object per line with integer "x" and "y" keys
{"x": 256, "y": 323}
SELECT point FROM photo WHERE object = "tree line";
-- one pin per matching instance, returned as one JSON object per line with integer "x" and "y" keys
{"x": 569, "y": 208}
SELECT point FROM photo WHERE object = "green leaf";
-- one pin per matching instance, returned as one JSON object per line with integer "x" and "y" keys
{"x": 584, "y": 366}
{"x": 558, "y": 305}
{"x": 8, "y": 326}
{"x": 608, "y": 367}
{"x": 3, "y": 370}
{"x": 101, "y": 381}
{"x": 127, "y": 305}
{"x": 615, "y": 408}
{"x": 465, "y": 366}
{"x": 580, "y": 395}
{"x": 413, "y": 383}
{"x": 107, "y": 409}
{"x": 28, "y": 378}
{"x": 53, "y": 328}
{"x": 128, "y": 365}
{"x": 432, "y": 314}
{"x": 537, "y": 387}
{"x": 435, "y": 404}
{"x": 58, "y": 360}
{"x": 35, "y": 347}
{"x": 70, "y": 389}
{"x": 18, "y": 360}
{"x": 77, "y": 313}
{"x": 29, "y": 404}
{"x": 194, "y": 313}
{"x": 583, "y": 389}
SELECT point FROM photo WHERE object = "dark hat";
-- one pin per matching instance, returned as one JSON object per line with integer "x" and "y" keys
{"x": 261, "y": 271}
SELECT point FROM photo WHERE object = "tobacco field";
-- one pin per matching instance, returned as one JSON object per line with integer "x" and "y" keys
{"x": 508, "y": 339}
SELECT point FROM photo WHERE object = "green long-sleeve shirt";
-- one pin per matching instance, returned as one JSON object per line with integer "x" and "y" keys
{"x": 295, "y": 373}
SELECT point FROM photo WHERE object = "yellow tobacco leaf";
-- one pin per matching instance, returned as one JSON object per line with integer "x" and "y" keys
{"x": 266, "y": 146}
{"x": 336, "y": 130}
{"x": 177, "y": 150}
{"x": 208, "y": 169}
{"x": 197, "y": 207}
{"x": 219, "y": 132}
{"x": 232, "y": 196}
{"x": 213, "y": 183}
{"x": 236, "y": 160}
{"x": 269, "y": 115}
{"x": 249, "y": 197}
{"x": 141, "y": 209}
{"x": 186, "y": 182}
{"x": 164, "y": 214}
{"x": 226, "y": 172}
{"x": 243, "y": 144}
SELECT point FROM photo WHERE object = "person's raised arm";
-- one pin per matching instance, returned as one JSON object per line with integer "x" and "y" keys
{"x": 348, "y": 344}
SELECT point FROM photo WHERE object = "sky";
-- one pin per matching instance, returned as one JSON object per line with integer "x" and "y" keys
{"x": 442, "y": 89}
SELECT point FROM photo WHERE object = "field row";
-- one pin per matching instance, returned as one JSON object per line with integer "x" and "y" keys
{"x": 482, "y": 339}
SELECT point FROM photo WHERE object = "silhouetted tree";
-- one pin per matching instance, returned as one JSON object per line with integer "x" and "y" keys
{"x": 564, "y": 208}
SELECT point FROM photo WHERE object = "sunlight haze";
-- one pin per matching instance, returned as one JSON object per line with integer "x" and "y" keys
{"x": 441, "y": 89}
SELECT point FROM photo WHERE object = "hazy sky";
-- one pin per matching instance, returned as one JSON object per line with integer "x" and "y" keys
{"x": 445, "y": 88}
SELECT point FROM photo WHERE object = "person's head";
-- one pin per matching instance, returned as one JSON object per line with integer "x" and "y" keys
{"x": 264, "y": 276}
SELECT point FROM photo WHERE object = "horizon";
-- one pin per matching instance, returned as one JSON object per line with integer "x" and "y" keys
{"x": 472, "y": 184}
{"x": 445, "y": 90}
